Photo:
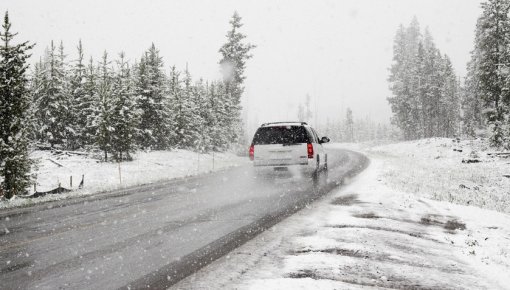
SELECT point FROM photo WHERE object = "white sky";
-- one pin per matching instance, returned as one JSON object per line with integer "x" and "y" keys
{"x": 336, "y": 51}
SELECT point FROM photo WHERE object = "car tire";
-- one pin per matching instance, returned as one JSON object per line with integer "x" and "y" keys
{"x": 325, "y": 176}
{"x": 325, "y": 170}
{"x": 316, "y": 178}
{"x": 320, "y": 179}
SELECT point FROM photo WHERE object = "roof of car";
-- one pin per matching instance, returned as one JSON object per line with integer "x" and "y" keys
{"x": 272, "y": 124}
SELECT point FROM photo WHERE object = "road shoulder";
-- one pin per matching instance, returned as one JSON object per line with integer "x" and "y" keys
{"x": 103, "y": 178}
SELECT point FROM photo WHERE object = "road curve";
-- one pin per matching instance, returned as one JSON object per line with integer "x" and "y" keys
{"x": 150, "y": 236}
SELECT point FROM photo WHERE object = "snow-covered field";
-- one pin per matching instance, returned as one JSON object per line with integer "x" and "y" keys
{"x": 385, "y": 230}
{"x": 147, "y": 167}
{"x": 434, "y": 168}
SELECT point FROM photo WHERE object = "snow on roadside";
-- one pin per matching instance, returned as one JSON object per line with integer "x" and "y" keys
{"x": 371, "y": 234}
{"x": 441, "y": 169}
{"x": 147, "y": 167}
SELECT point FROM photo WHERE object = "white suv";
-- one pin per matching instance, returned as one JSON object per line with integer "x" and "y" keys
{"x": 287, "y": 146}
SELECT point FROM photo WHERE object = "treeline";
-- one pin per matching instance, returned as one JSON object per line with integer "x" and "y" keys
{"x": 113, "y": 105}
{"x": 426, "y": 91}
{"x": 428, "y": 100}
{"x": 352, "y": 129}
{"x": 117, "y": 107}
{"x": 486, "y": 104}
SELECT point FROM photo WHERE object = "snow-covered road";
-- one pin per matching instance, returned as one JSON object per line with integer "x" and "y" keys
{"x": 151, "y": 235}
{"x": 368, "y": 235}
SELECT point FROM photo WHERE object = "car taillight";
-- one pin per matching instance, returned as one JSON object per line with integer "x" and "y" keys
{"x": 310, "y": 150}
{"x": 252, "y": 152}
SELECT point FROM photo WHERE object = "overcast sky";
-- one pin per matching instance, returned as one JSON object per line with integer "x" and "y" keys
{"x": 336, "y": 51}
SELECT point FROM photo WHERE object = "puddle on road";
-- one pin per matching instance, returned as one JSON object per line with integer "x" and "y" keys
{"x": 454, "y": 225}
{"x": 305, "y": 274}
{"x": 385, "y": 229}
{"x": 335, "y": 251}
{"x": 450, "y": 225}
{"x": 346, "y": 200}
{"x": 368, "y": 215}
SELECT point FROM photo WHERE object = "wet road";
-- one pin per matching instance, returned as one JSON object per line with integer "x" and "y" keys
{"x": 149, "y": 236}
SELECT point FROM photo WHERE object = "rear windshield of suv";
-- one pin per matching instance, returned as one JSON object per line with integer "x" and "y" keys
{"x": 280, "y": 135}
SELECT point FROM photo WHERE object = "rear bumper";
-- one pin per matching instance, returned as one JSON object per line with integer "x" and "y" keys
{"x": 260, "y": 162}
{"x": 306, "y": 169}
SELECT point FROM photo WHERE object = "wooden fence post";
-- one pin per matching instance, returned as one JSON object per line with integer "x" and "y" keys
{"x": 120, "y": 175}
{"x": 82, "y": 181}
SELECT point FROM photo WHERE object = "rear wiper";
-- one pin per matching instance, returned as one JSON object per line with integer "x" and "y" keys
{"x": 290, "y": 144}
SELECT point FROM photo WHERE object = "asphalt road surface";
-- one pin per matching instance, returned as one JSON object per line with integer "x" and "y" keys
{"x": 150, "y": 236}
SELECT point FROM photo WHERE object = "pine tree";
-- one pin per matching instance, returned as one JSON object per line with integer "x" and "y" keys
{"x": 103, "y": 119}
{"x": 201, "y": 115}
{"x": 54, "y": 100}
{"x": 186, "y": 115}
{"x": 472, "y": 118}
{"x": 88, "y": 107}
{"x": 429, "y": 73}
{"x": 69, "y": 134}
{"x": 450, "y": 94}
{"x": 176, "y": 105}
{"x": 425, "y": 101}
{"x": 36, "y": 87}
{"x": 190, "y": 118}
{"x": 349, "y": 125}
{"x": 224, "y": 116}
{"x": 413, "y": 80}
{"x": 211, "y": 118}
{"x": 400, "y": 86}
{"x": 78, "y": 99}
{"x": 492, "y": 42}
{"x": 124, "y": 117}
{"x": 151, "y": 92}
{"x": 218, "y": 131}
{"x": 14, "y": 105}
{"x": 234, "y": 54}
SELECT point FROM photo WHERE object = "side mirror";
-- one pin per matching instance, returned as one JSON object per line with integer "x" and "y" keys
{"x": 324, "y": 140}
